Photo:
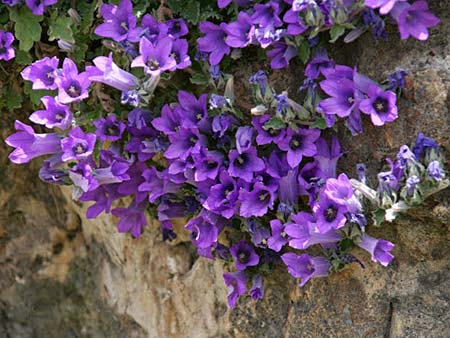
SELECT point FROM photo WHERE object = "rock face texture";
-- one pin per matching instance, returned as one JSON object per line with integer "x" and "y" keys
{"x": 62, "y": 275}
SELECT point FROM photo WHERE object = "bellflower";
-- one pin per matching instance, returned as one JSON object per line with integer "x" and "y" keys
{"x": 256, "y": 202}
{"x": 157, "y": 184}
{"x": 304, "y": 232}
{"x": 109, "y": 129}
{"x": 435, "y": 171}
{"x": 42, "y": 73}
{"x": 103, "y": 197}
{"x": 339, "y": 190}
{"x": 55, "y": 115}
{"x": 414, "y": 19}
{"x": 207, "y": 165}
{"x": 327, "y": 157}
{"x": 244, "y": 255}
{"x": 78, "y": 145}
{"x": 184, "y": 143}
{"x": 311, "y": 179}
{"x": 29, "y": 145}
{"x": 169, "y": 122}
{"x": 176, "y": 28}
{"x": 380, "y": 105}
{"x": 329, "y": 214}
{"x": 281, "y": 54}
{"x": 237, "y": 285}
{"x": 120, "y": 22}
{"x": 193, "y": 111}
{"x": 305, "y": 266}
{"x": 50, "y": 171}
{"x": 245, "y": 164}
{"x": 155, "y": 59}
{"x": 241, "y": 32}
{"x": 422, "y": 144}
{"x": 295, "y": 23}
{"x": 267, "y": 136}
{"x": 257, "y": 290}
{"x": 107, "y": 72}
{"x": 266, "y": 15}
{"x": 214, "y": 41}
{"x": 152, "y": 30}
{"x": 258, "y": 233}
{"x": 244, "y": 138}
{"x": 385, "y": 6}
{"x": 72, "y": 86}
{"x": 203, "y": 233}
{"x": 223, "y": 196}
{"x": 279, "y": 237}
{"x": 379, "y": 249}
{"x": 344, "y": 97}
{"x": 299, "y": 144}
{"x": 82, "y": 176}
{"x": 319, "y": 62}
{"x": 180, "y": 53}
{"x": 6, "y": 51}
{"x": 38, "y": 6}
{"x": 221, "y": 123}
{"x": 132, "y": 219}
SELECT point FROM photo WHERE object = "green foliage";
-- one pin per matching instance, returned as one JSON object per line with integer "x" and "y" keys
{"x": 195, "y": 10}
{"x": 27, "y": 27}
{"x": 60, "y": 27}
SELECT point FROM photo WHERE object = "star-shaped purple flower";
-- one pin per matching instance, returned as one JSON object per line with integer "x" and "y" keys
{"x": 244, "y": 255}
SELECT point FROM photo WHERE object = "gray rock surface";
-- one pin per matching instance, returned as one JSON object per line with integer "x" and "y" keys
{"x": 65, "y": 276}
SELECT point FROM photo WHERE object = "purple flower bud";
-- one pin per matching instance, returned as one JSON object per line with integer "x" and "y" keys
{"x": 378, "y": 248}
{"x": 435, "y": 171}
{"x": 411, "y": 184}
{"x": 257, "y": 290}
{"x": 244, "y": 138}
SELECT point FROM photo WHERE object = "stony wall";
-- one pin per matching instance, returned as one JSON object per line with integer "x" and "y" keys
{"x": 64, "y": 276}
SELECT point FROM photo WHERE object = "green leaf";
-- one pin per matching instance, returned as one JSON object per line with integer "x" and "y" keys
{"x": 319, "y": 123}
{"x": 378, "y": 216}
{"x": 59, "y": 27}
{"x": 23, "y": 58}
{"x": 274, "y": 123}
{"x": 303, "y": 51}
{"x": 336, "y": 32}
{"x": 199, "y": 79}
{"x": 345, "y": 244}
{"x": 12, "y": 100}
{"x": 27, "y": 28}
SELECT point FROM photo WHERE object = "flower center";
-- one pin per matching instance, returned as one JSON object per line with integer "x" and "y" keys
{"x": 330, "y": 213}
{"x": 74, "y": 89}
{"x": 263, "y": 196}
{"x": 309, "y": 267}
{"x": 79, "y": 149}
{"x": 153, "y": 64}
{"x": 240, "y": 160}
{"x": 211, "y": 164}
{"x": 112, "y": 130}
{"x": 296, "y": 142}
{"x": 60, "y": 115}
{"x": 351, "y": 100}
{"x": 381, "y": 105}
{"x": 243, "y": 257}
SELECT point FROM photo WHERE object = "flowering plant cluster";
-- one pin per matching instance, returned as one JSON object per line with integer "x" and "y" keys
{"x": 258, "y": 186}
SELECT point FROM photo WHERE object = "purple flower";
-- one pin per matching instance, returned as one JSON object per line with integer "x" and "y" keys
{"x": 372, "y": 20}
{"x": 320, "y": 62}
{"x": 435, "y": 171}
{"x": 42, "y": 73}
{"x": 329, "y": 214}
{"x": 396, "y": 80}
{"x": 256, "y": 202}
{"x": 78, "y": 145}
{"x": 244, "y": 255}
{"x": 327, "y": 158}
{"x": 303, "y": 5}
{"x": 214, "y": 41}
{"x": 223, "y": 196}
{"x": 72, "y": 86}
{"x": 241, "y": 32}
{"x": 378, "y": 248}
{"x": 55, "y": 115}
{"x": 266, "y": 15}
{"x": 344, "y": 97}
{"x": 245, "y": 164}
{"x": 411, "y": 184}
{"x": 305, "y": 266}
{"x": 109, "y": 129}
{"x": 193, "y": 111}
{"x": 203, "y": 232}
{"x": 257, "y": 290}
{"x": 244, "y": 137}
{"x": 279, "y": 237}
{"x": 155, "y": 59}
{"x": 267, "y": 136}
{"x": 180, "y": 53}
{"x": 225, "y": 3}
{"x": 299, "y": 144}
{"x": 281, "y": 54}
{"x": 120, "y": 23}
{"x": 184, "y": 143}
{"x": 51, "y": 172}
{"x": 152, "y": 30}
{"x": 6, "y": 51}
{"x": 30, "y": 145}
{"x": 82, "y": 176}
{"x": 157, "y": 184}
{"x": 339, "y": 190}
{"x": 295, "y": 23}
{"x": 380, "y": 105}
{"x": 237, "y": 285}
{"x": 414, "y": 19}
{"x": 221, "y": 123}
{"x": 38, "y": 6}
{"x": 207, "y": 165}
{"x": 12, "y": 2}
{"x": 304, "y": 233}
{"x": 176, "y": 28}
{"x": 422, "y": 144}
{"x": 170, "y": 120}
{"x": 385, "y": 6}
{"x": 132, "y": 219}
{"x": 107, "y": 72}
{"x": 103, "y": 197}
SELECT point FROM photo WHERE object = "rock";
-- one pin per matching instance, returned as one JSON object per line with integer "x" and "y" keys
{"x": 65, "y": 276}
